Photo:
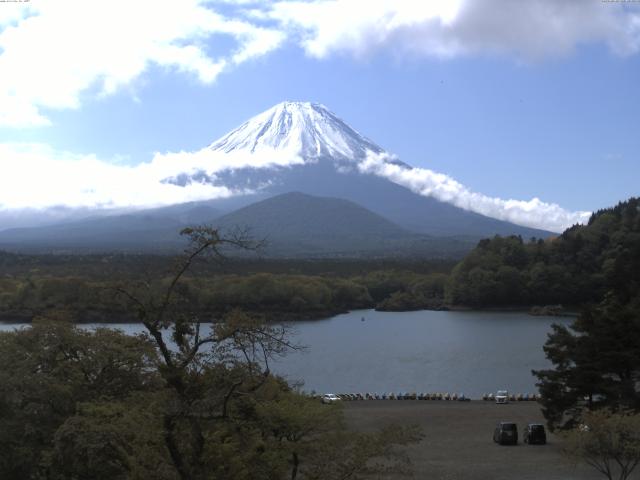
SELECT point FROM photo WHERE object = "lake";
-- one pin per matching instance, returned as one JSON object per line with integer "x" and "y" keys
{"x": 424, "y": 351}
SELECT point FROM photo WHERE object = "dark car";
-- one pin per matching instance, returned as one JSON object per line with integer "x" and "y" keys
{"x": 506, "y": 433}
{"x": 534, "y": 433}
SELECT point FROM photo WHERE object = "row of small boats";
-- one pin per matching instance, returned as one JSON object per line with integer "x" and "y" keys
{"x": 460, "y": 397}
{"x": 519, "y": 397}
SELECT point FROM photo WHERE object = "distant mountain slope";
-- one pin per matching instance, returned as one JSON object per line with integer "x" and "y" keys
{"x": 316, "y": 222}
{"x": 293, "y": 224}
{"x": 148, "y": 230}
{"x": 403, "y": 207}
{"x": 303, "y": 225}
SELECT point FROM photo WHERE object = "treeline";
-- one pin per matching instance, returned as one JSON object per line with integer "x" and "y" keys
{"x": 596, "y": 359}
{"x": 577, "y": 267}
{"x": 404, "y": 291}
{"x": 274, "y": 296}
{"x": 129, "y": 266}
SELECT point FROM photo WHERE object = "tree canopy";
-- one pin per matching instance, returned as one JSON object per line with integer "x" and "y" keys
{"x": 607, "y": 441}
{"x": 575, "y": 268}
{"x": 174, "y": 403}
{"x": 596, "y": 363}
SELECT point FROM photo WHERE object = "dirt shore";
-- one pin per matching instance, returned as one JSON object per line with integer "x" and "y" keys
{"x": 458, "y": 440}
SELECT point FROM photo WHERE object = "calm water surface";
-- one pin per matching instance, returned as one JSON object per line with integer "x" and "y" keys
{"x": 425, "y": 351}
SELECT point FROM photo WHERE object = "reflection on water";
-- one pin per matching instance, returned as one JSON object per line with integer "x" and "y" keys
{"x": 426, "y": 351}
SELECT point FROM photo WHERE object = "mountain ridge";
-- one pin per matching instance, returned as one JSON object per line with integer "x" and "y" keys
{"x": 295, "y": 225}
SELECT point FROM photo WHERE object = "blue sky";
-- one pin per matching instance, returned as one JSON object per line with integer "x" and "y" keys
{"x": 508, "y": 107}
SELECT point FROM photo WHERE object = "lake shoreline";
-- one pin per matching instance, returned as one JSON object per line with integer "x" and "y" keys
{"x": 117, "y": 319}
{"x": 571, "y": 311}
{"x": 25, "y": 318}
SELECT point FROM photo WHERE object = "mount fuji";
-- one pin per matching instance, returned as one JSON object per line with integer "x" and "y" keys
{"x": 295, "y": 168}
{"x": 326, "y": 158}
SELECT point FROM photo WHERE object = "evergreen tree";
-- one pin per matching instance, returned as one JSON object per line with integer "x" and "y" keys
{"x": 596, "y": 363}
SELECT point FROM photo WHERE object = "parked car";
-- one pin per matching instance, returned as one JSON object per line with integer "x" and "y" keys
{"x": 534, "y": 433}
{"x": 506, "y": 433}
{"x": 330, "y": 398}
{"x": 502, "y": 396}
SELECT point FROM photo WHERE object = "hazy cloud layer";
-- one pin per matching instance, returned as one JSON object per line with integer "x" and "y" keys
{"x": 35, "y": 176}
{"x": 532, "y": 213}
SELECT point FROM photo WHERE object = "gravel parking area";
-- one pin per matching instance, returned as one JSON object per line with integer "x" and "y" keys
{"x": 458, "y": 440}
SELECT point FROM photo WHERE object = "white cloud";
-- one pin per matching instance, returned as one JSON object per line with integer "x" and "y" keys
{"x": 12, "y": 12}
{"x": 53, "y": 51}
{"x": 35, "y": 176}
{"x": 532, "y": 213}
{"x": 529, "y": 30}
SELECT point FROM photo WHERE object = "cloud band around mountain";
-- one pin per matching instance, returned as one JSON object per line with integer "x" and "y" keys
{"x": 35, "y": 176}
{"x": 38, "y": 177}
{"x": 532, "y": 213}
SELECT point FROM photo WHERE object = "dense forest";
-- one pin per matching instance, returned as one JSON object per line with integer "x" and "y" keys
{"x": 575, "y": 268}
{"x": 596, "y": 359}
{"x": 85, "y": 287}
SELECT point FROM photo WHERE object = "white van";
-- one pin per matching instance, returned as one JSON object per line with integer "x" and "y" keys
{"x": 502, "y": 396}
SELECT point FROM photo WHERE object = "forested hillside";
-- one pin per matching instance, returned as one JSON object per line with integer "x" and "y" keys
{"x": 575, "y": 268}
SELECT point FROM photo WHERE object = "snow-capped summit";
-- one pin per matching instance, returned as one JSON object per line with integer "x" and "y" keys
{"x": 305, "y": 129}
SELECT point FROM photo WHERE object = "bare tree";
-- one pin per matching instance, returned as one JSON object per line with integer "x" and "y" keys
{"x": 240, "y": 346}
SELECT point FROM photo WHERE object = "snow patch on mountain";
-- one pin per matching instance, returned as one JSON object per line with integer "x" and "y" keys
{"x": 303, "y": 129}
